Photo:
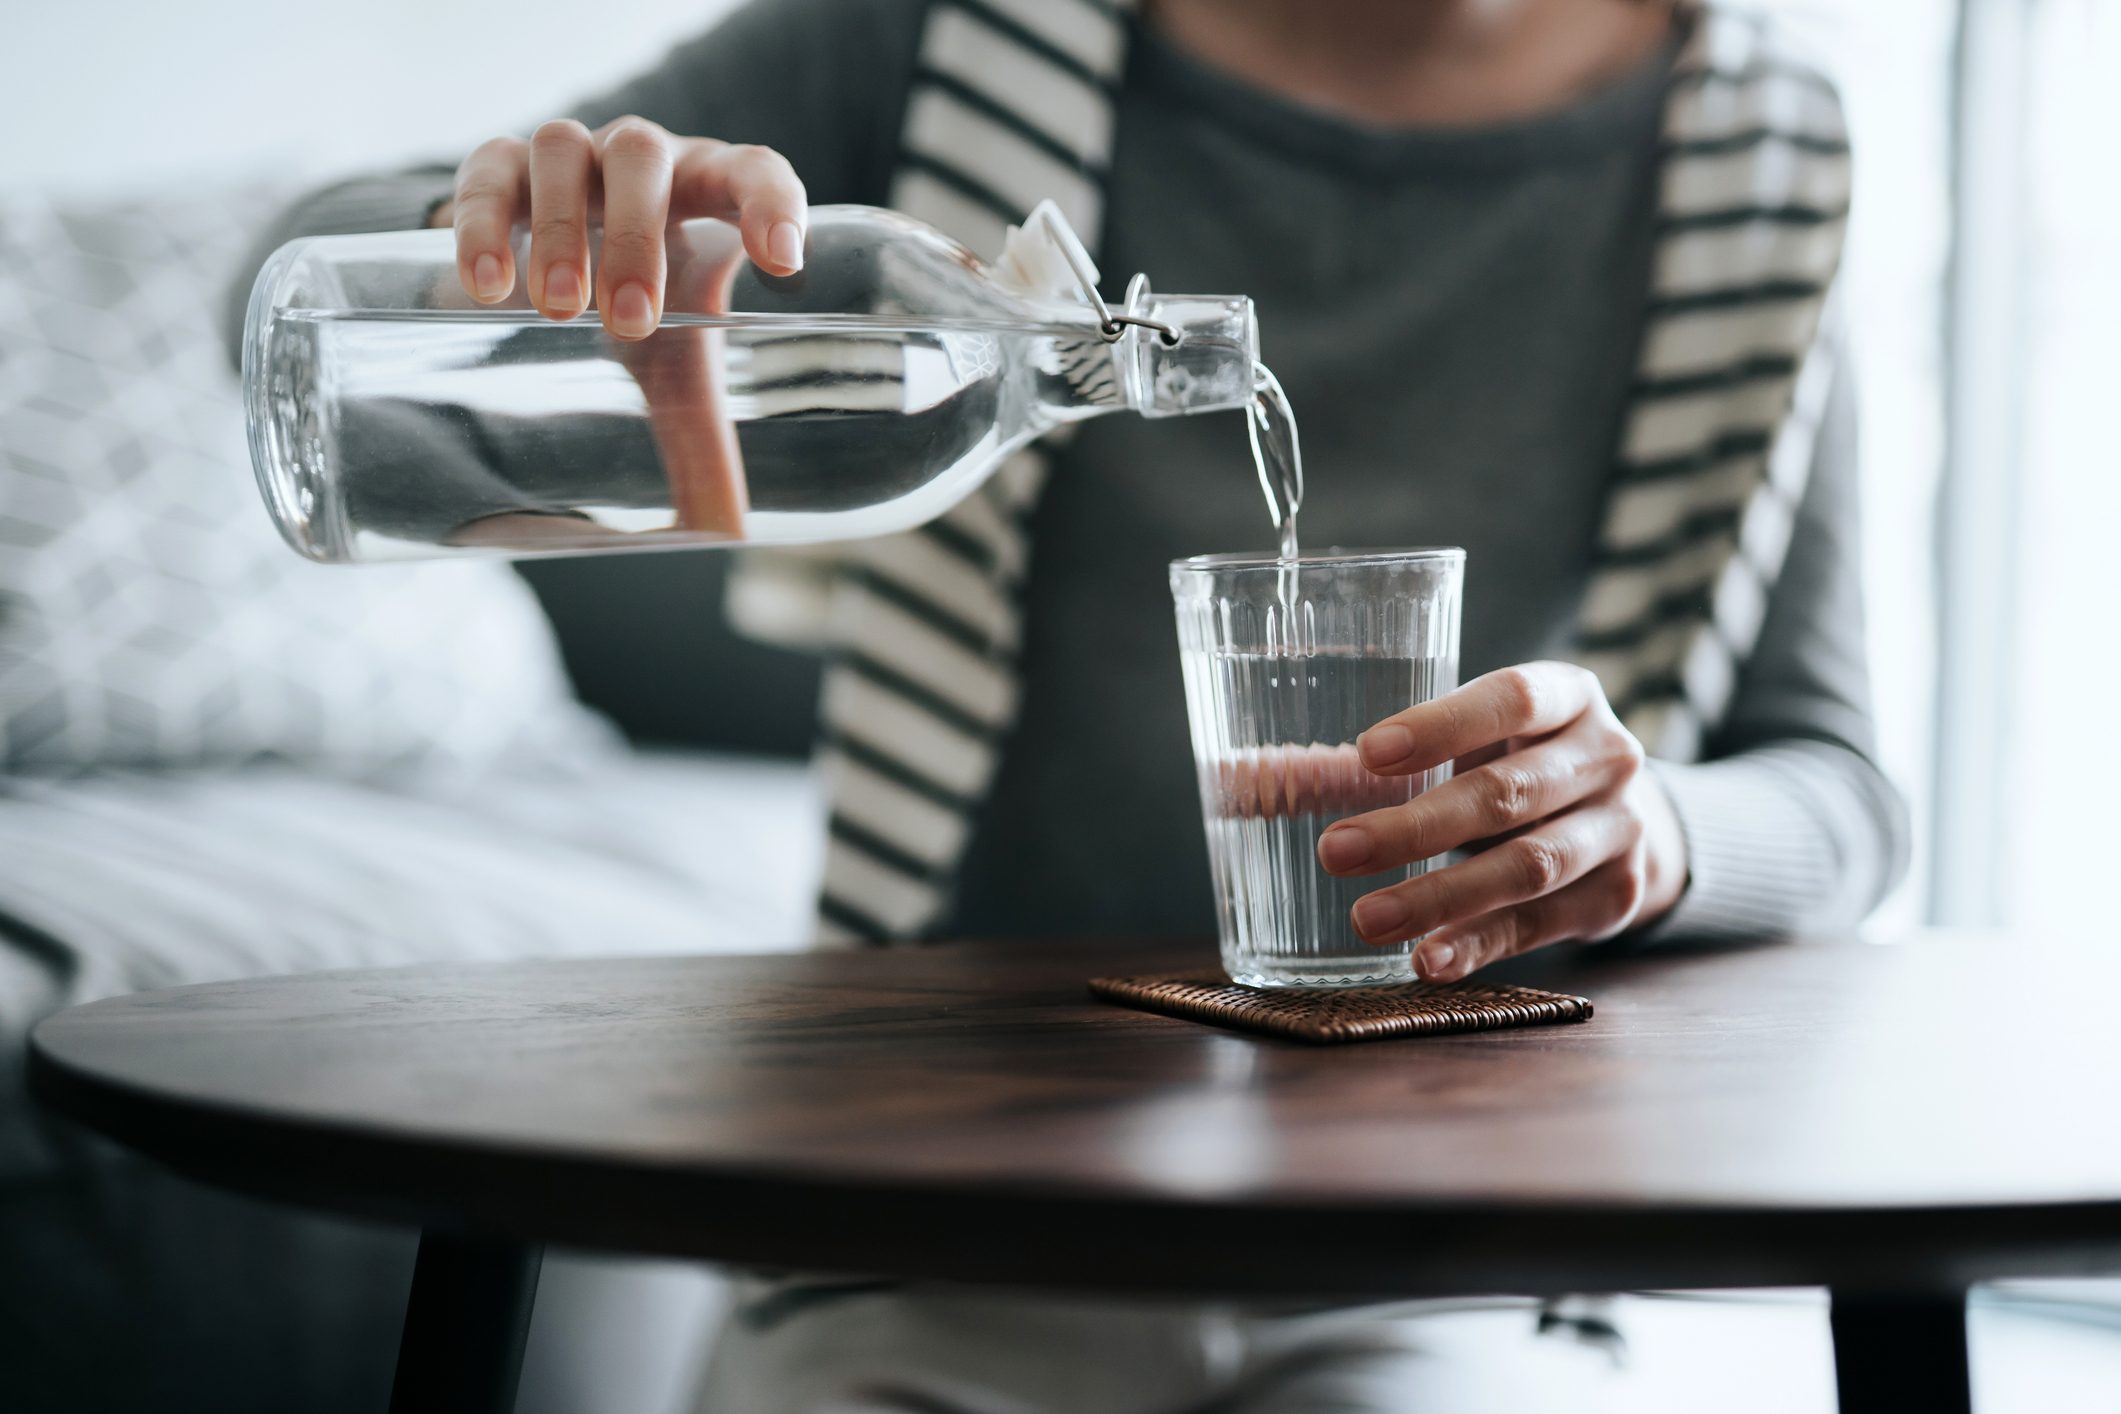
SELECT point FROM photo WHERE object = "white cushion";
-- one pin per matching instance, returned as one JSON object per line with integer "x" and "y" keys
{"x": 148, "y": 613}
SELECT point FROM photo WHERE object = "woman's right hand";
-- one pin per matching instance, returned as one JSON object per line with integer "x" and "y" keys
{"x": 638, "y": 179}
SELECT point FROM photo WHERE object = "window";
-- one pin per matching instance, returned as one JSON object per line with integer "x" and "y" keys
{"x": 1893, "y": 62}
{"x": 2055, "y": 828}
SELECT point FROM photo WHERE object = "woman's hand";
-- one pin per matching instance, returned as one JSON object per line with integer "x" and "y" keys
{"x": 640, "y": 178}
{"x": 1572, "y": 838}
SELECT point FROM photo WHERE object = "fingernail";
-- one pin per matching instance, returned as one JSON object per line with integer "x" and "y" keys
{"x": 1385, "y": 746}
{"x": 632, "y": 312}
{"x": 1344, "y": 847}
{"x": 1434, "y": 958}
{"x": 1378, "y": 914}
{"x": 486, "y": 279}
{"x": 785, "y": 244}
{"x": 563, "y": 290}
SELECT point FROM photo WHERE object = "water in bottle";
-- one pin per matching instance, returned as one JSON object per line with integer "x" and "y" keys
{"x": 391, "y": 416}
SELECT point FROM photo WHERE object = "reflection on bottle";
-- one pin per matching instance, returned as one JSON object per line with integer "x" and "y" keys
{"x": 682, "y": 373}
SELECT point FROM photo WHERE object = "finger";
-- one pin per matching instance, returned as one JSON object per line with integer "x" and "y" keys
{"x": 1602, "y": 903}
{"x": 1529, "y": 700}
{"x": 636, "y": 158}
{"x": 1301, "y": 780}
{"x": 1533, "y": 865}
{"x": 562, "y": 173}
{"x": 752, "y": 186}
{"x": 1585, "y": 759}
{"x": 489, "y": 196}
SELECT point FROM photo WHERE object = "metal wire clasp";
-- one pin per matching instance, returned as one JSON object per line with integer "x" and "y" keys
{"x": 1111, "y": 327}
{"x": 1115, "y": 325}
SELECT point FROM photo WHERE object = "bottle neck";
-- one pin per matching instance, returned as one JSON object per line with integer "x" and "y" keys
{"x": 1208, "y": 368}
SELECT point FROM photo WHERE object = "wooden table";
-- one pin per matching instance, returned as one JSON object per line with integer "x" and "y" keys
{"x": 1891, "y": 1122}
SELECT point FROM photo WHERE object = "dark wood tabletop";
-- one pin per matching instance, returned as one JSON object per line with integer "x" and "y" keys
{"x": 1904, "y": 1116}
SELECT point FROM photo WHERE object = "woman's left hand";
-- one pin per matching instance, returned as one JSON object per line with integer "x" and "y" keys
{"x": 1571, "y": 837}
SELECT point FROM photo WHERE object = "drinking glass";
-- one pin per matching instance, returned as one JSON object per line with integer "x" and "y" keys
{"x": 1286, "y": 662}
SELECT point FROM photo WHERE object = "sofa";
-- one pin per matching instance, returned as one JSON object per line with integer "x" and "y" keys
{"x": 219, "y": 760}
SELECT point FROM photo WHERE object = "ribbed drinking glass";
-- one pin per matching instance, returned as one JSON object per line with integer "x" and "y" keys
{"x": 1286, "y": 662}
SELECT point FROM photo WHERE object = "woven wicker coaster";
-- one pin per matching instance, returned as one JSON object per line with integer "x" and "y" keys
{"x": 1345, "y": 1014}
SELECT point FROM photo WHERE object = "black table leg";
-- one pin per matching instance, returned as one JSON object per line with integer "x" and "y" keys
{"x": 1900, "y": 1351}
{"x": 462, "y": 1350}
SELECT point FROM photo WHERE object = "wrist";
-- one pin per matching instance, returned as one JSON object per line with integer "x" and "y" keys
{"x": 1664, "y": 850}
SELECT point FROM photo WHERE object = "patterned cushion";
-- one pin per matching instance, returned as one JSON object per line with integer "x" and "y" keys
{"x": 148, "y": 613}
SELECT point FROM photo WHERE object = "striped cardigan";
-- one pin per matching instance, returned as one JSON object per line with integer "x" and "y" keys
{"x": 1012, "y": 102}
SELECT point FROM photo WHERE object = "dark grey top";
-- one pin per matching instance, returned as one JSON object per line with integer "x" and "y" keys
{"x": 1455, "y": 314}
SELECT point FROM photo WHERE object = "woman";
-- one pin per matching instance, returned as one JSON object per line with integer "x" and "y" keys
{"x": 1542, "y": 278}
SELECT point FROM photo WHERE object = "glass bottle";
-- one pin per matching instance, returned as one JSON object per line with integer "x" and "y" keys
{"x": 391, "y": 416}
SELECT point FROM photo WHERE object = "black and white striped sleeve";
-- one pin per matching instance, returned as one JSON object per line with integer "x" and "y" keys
{"x": 1791, "y": 825}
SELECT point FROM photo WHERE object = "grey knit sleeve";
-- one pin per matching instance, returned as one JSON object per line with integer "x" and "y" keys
{"x": 1790, "y": 825}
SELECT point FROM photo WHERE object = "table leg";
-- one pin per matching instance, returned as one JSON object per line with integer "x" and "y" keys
{"x": 462, "y": 1350}
{"x": 1901, "y": 1350}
